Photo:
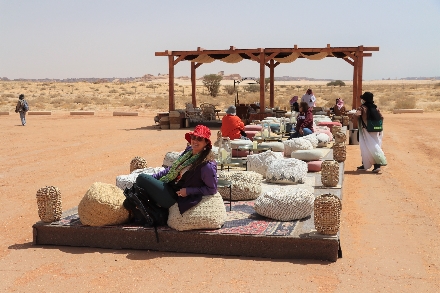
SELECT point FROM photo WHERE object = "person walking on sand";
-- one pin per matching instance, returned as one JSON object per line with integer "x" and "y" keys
{"x": 22, "y": 108}
{"x": 309, "y": 98}
{"x": 370, "y": 134}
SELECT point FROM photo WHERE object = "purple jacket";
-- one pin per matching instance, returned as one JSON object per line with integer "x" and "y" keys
{"x": 199, "y": 182}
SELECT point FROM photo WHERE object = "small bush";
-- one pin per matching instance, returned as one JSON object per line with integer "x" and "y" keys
{"x": 252, "y": 88}
{"x": 405, "y": 103}
{"x": 82, "y": 100}
{"x": 336, "y": 83}
{"x": 113, "y": 91}
{"x": 229, "y": 89}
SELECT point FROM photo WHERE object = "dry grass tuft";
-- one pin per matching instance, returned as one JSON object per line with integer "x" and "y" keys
{"x": 407, "y": 102}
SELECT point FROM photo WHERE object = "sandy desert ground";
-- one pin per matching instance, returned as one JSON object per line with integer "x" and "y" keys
{"x": 389, "y": 232}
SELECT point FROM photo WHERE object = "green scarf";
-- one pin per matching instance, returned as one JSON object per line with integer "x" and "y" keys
{"x": 183, "y": 161}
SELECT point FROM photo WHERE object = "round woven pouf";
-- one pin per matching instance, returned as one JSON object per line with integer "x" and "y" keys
{"x": 49, "y": 204}
{"x": 345, "y": 120}
{"x": 138, "y": 163}
{"x": 340, "y": 137}
{"x": 339, "y": 152}
{"x": 330, "y": 173}
{"x": 335, "y": 129}
{"x": 327, "y": 214}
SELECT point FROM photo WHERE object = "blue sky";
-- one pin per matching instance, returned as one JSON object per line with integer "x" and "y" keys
{"x": 65, "y": 39}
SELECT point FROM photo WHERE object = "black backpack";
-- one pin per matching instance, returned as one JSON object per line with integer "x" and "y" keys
{"x": 25, "y": 106}
{"x": 145, "y": 211}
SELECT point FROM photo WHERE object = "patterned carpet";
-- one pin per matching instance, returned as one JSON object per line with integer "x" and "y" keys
{"x": 241, "y": 220}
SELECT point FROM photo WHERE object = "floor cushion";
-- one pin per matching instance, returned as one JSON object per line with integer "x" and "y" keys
{"x": 252, "y": 127}
{"x": 314, "y": 166}
{"x": 285, "y": 204}
{"x": 259, "y": 162}
{"x": 276, "y": 146}
{"x": 286, "y": 171}
{"x": 169, "y": 158}
{"x": 251, "y": 133}
{"x": 126, "y": 181}
{"x": 329, "y": 124}
{"x": 323, "y": 140}
{"x": 235, "y": 143}
{"x": 326, "y": 131}
{"x": 294, "y": 144}
{"x": 246, "y": 185}
{"x": 209, "y": 213}
{"x": 102, "y": 206}
{"x": 310, "y": 155}
{"x": 312, "y": 138}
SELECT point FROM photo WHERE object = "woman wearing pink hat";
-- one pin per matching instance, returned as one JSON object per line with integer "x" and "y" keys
{"x": 192, "y": 175}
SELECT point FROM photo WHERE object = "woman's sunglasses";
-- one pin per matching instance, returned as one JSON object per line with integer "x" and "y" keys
{"x": 198, "y": 138}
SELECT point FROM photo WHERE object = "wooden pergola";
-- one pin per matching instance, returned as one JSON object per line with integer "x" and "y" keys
{"x": 270, "y": 57}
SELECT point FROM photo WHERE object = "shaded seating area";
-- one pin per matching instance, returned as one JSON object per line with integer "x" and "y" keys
{"x": 193, "y": 114}
{"x": 207, "y": 111}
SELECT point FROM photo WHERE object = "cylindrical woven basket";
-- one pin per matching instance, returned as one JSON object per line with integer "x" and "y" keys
{"x": 138, "y": 163}
{"x": 345, "y": 120}
{"x": 327, "y": 214}
{"x": 49, "y": 204}
{"x": 330, "y": 173}
{"x": 335, "y": 129}
{"x": 339, "y": 152}
{"x": 337, "y": 118}
{"x": 175, "y": 120}
{"x": 165, "y": 122}
{"x": 340, "y": 137}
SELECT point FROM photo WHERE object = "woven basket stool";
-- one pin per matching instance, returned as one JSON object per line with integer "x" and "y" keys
{"x": 345, "y": 120}
{"x": 49, "y": 204}
{"x": 330, "y": 173}
{"x": 327, "y": 214}
{"x": 335, "y": 129}
{"x": 138, "y": 163}
{"x": 339, "y": 152}
{"x": 340, "y": 137}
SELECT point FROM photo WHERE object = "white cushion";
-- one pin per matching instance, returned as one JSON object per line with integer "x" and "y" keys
{"x": 246, "y": 185}
{"x": 127, "y": 181}
{"x": 289, "y": 171}
{"x": 310, "y": 155}
{"x": 259, "y": 162}
{"x": 209, "y": 213}
{"x": 296, "y": 144}
{"x": 276, "y": 146}
{"x": 169, "y": 158}
{"x": 312, "y": 138}
{"x": 323, "y": 140}
{"x": 235, "y": 143}
{"x": 285, "y": 204}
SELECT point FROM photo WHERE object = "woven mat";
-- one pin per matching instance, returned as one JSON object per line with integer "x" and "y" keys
{"x": 241, "y": 220}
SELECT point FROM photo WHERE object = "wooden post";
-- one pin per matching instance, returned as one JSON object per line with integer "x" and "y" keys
{"x": 272, "y": 86}
{"x": 360, "y": 59}
{"x": 171, "y": 82}
{"x": 355, "y": 76}
{"x": 262, "y": 65}
{"x": 193, "y": 84}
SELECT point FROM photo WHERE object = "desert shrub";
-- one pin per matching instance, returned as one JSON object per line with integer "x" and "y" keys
{"x": 130, "y": 93}
{"x": 282, "y": 86}
{"x": 100, "y": 101}
{"x": 42, "y": 99}
{"x": 336, "y": 83}
{"x": 80, "y": 99}
{"x": 113, "y": 91}
{"x": 57, "y": 102}
{"x": 6, "y": 96}
{"x": 405, "y": 103}
{"x": 229, "y": 89}
{"x": 252, "y": 88}
{"x": 56, "y": 95}
{"x": 212, "y": 83}
{"x": 384, "y": 102}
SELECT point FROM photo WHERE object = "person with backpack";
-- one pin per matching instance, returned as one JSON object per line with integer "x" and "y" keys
{"x": 192, "y": 176}
{"x": 370, "y": 134}
{"x": 22, "y": 108}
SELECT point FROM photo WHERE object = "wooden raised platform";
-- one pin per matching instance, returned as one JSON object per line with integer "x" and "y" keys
{"x": 4, "y": 113}
{"x": 39, "y": 113}
{"x": 280, "y": 240}
{"x": 82, "y": 113}
{"x": 125, "y": 113}
{"x": 400, "y": 111}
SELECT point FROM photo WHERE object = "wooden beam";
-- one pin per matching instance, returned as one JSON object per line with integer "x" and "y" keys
{"x": 360, "y": 58}
{"x": 193, "y": 84}
{"x": 348, "y": 61}
{"x": 171, "y": 103}
{"x": 180, "y": 58}
{"x": 253, "y": 57}
{"x": 355, "y": 75}
{"x": 272, "y": 86}
{"x": 262, "y": 66}
{"x": 198, "y": 65}
{"x": 270, "y": 57}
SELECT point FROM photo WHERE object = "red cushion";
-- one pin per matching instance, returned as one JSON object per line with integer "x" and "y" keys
{"x": 237, "y": 153}
{"x": 250, "y": 134}
{"x": 314, "y": 166}
{"x": 328, "y": 132}
{"x": 252, "y": 127}
{"x": 329, "y": 124}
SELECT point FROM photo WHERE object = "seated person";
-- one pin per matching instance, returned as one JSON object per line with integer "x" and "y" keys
{"x": 232, "y": 126}
{"x": 304, "y": 121}
{"x": 294, "y": 106}
{"x": 192, "y": 175}
{"x": 339, "y": 108}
